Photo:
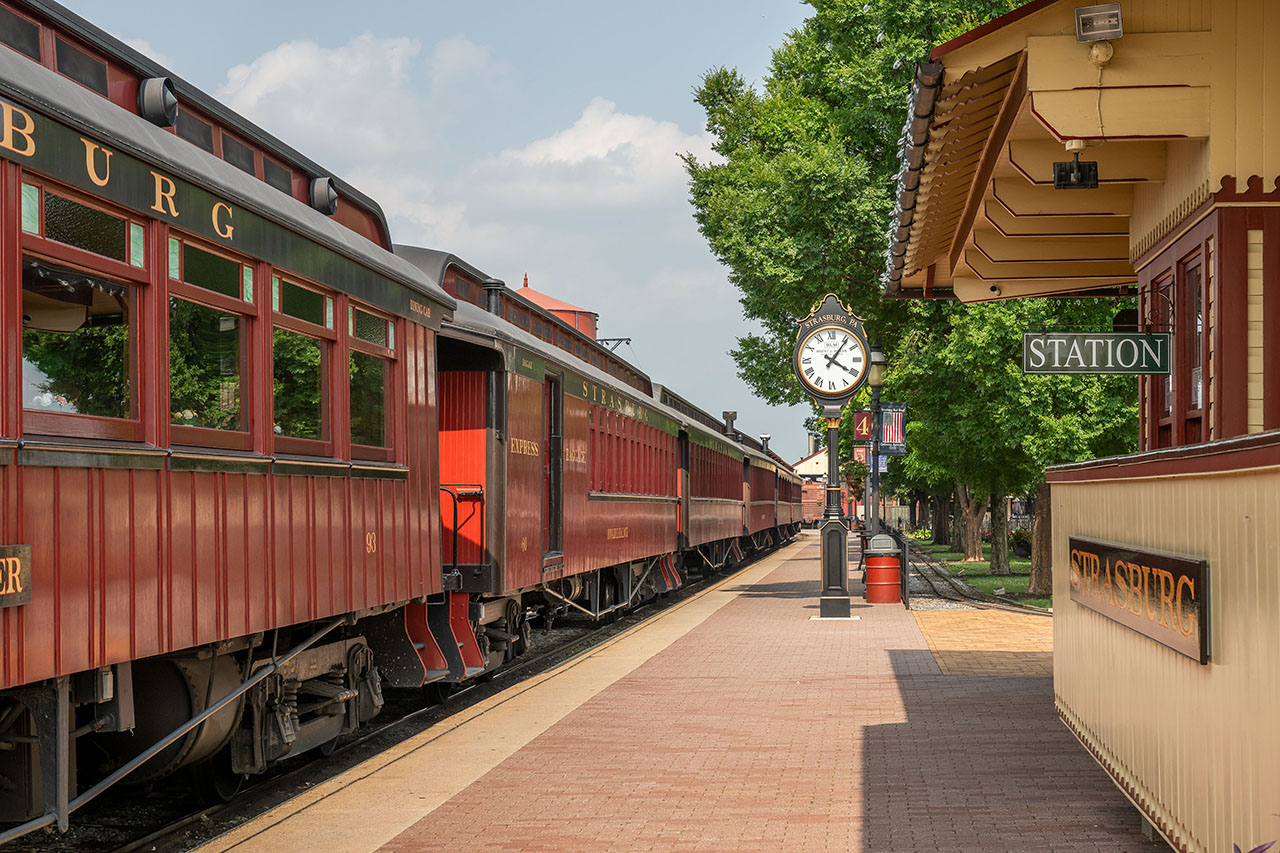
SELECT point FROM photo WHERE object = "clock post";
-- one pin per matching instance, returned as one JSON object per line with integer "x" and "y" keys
{"x": 831, "y": 361}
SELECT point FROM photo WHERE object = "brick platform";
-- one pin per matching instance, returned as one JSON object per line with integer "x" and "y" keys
{"x": 753, "y": 729}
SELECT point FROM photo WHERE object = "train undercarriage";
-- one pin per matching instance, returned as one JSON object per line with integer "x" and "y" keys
{"x": 228, "y": 711}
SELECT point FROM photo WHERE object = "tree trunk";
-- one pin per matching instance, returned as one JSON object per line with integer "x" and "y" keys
{"x": 999, "y": 531}
{"x": 1042, "y": 545}
{"x": 941, "y": 521}
{"x": 971, "y": 511}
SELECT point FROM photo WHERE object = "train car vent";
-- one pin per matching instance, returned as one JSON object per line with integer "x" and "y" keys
{"x": 324, "y": 196}
{"x": 157, "y": 102}
{"x": 19, "y": 33}
{"x": 81, "y": 67}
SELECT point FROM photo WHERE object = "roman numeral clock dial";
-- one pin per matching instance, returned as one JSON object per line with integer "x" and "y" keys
{"x": 832, "y": 361}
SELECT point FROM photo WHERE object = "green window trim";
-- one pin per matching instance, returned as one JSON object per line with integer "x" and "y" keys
{"x": 137, "y": 245}
{"x": 30, "y": 209}
{"x": 175, "y": 259}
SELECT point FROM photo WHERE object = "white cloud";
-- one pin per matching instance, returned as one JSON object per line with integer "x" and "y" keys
{"x": 606, "y": 159}
{"x": 145, "y": 48}
{"x": 458, "y": 63}
{"x": 354, "y": 101}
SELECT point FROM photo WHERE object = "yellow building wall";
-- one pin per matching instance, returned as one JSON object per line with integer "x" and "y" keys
{"x": 1198, "y": 747}
{"x": 1245, "y": 114}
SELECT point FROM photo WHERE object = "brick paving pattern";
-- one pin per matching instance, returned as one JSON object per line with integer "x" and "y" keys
{"x": 989, "y": 642}
{"x": 763, "y": 730}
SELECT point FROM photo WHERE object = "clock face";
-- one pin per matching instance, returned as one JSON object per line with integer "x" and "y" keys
{"x": 832, "y": 361}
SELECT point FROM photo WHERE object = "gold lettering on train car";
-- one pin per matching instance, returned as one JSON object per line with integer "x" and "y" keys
{"x": 584, "y": 387}
{"x": 91, "y": 162}
{"x": 418, "y": 308}
{"x": 576, "y": 455}
{"x": 165, "y": 191}
{"x": 618, "y": 532}
{"x": 27, "y": 130}
{"x": 525, "y": 447}
{"x": 224, "y": 229}
{"x": 10, "y": 582}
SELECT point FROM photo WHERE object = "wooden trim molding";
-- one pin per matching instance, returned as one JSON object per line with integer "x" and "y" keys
{"x": 1218, "y": 457}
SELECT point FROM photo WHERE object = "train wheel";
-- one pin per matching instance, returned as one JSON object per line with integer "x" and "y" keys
{"x": 608, "y": 598}
{"x": 214, "y": 780}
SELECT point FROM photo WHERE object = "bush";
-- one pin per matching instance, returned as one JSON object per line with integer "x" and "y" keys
{"x": 1020, "y": 542}
{"x": 922, "y": 534}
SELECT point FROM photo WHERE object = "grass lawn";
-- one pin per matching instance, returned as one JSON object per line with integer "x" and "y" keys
{"x": 979, "y": 577}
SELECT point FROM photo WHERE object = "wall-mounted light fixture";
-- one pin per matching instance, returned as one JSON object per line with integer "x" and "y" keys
{"x": 1099, "y": 23}
{"x": 157, "y": 102}
{"x": 324, "y": 196}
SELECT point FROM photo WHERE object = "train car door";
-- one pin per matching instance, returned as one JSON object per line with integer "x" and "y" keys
{"x": 683, "y": 484}
{"x": 552, "y": 466}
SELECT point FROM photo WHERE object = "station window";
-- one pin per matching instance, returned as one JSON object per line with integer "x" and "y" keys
{"x": 372, "y": 348}
{"x": 301, "y": 341}
{"x": 210, "y": 304}
{"x": 81, "y": 269}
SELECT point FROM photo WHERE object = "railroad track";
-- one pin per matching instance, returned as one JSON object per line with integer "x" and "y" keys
{"x": 946, "y": 586}
{"x": 124, "y": 822}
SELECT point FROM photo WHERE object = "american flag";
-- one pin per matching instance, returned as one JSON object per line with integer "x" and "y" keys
{"x": 893, "y": 421}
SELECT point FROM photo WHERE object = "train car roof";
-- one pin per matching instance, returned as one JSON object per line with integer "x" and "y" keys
{"x": 472, "y": 318}
{"x": 45, "y": 91}
{"x": 435, "y": 262}
{"x": 190, "y": 94}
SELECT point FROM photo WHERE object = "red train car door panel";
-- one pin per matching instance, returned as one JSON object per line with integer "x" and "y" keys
{"x": 552, "y": 467}
{"x": 525, "y": 491}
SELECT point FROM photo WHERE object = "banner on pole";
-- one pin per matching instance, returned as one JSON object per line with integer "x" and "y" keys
{"x": 893, "y": 429}
{"x": 862, "y": 426}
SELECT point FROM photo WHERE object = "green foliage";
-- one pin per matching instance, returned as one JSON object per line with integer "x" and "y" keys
{"x": 298, "y": 362}
{"x": 204, "y": 366}
{"x": 85, "y": 371}
{"x": 797, "y": 204}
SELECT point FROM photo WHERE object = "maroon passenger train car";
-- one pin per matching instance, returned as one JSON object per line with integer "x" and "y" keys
{"x": 577, "y": 486}
{"x": 253, "y": 466}
{"x": 217, "y": 420}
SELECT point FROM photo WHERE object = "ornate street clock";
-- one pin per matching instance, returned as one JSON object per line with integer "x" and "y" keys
{"x": 831, "y": 360}
{"x": 831, "y": 355}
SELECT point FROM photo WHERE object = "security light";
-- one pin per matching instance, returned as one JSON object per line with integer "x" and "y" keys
{"x": 1098, "y": 23}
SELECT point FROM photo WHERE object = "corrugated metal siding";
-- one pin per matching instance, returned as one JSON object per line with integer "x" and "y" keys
{"x": 1197, "y": 745}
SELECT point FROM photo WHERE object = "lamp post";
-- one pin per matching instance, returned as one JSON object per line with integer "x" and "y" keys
{"x": 875, "y": 378}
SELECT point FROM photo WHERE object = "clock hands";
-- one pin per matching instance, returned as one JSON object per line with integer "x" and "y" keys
{"x": 831, "y": 359}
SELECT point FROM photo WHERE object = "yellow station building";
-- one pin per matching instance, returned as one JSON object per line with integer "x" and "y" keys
{"x": 1166, "y": 562}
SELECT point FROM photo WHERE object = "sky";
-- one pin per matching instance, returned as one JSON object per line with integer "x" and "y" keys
{"x": 537, "y": 137}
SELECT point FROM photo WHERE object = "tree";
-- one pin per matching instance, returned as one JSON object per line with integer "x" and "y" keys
{"x": 800, "y": 204}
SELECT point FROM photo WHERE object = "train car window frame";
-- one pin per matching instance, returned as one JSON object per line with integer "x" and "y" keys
{"x": 386, "y": 452}
{"x": 245, "y": 308}
{"x": 328, "y": 337}
{"x": 34, "y": 246}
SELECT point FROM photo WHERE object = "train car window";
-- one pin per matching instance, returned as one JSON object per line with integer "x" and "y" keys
{"x": 210, "y": 271}
{"x": 195, "y": 130}
{"x": 302, "y": 304}
{"x": 299, "y": 391}
{"x": 372, "y": 343}
{"x": 81, "y": 67}
{"x": 237, "y": 154}
{"x": 72, "y": 223}
{"x": 19, "y": 33}
{"x": 210, "y": 307}
{"x": 277, "y": 176}
{"x": 206, "y": 349}
{"x": 302, "y": 344}
{"x": 78, "y": 349}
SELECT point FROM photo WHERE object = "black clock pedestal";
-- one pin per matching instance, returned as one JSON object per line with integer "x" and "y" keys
{"x": 834, "y": 603}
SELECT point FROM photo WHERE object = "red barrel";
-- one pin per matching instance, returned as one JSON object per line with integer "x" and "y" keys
{"x": 884, "y": 580}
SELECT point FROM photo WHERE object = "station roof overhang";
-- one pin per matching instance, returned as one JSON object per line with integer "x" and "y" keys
{"x": 977, "y": 215}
